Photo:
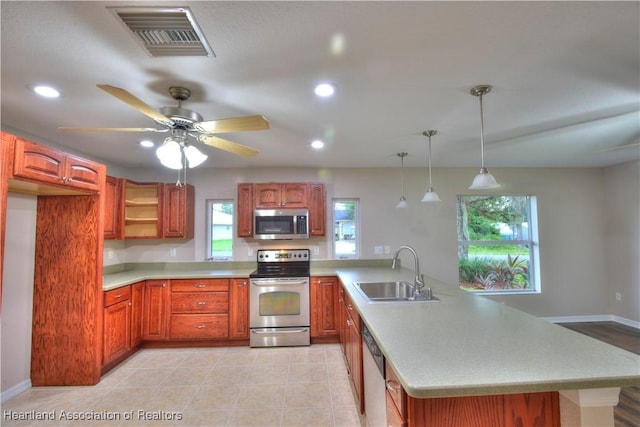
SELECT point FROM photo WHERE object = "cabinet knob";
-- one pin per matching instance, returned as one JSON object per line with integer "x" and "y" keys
{"x": 392, "y": 387}
{"x": 200, "y": 285}
{"x": 199, "y": 326}
{"x": 201, "y": 303}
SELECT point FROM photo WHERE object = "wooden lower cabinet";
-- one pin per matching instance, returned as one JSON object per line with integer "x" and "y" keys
{"x": 117, "y": 324}
{"x": 155, "y": 310}
{"x": 239, "y": 309}
{"x": 137, "y": 308}
{"x": 199, "y": 309}
{"x": 324, "y": 298}
{"x": 352, "y": 347}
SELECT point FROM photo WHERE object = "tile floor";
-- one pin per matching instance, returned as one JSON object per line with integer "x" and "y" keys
{"x": 234, "y": 386}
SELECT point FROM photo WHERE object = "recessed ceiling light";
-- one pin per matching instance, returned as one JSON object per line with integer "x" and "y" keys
{"x": 46, "y": 91}
{"x": 324, "y": 89}
{"x": 146, "y": 143}
{"x": 317, "y": 144}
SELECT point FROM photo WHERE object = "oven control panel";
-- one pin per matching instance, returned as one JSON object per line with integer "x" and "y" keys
{"x": 283, "y": 255}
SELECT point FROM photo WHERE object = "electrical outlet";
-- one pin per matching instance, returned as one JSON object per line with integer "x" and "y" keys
{"x": 387, "y": 249}
{"x": 378, "y": 250}
{"x": 250, "y": 252}
{"x": 618, "y": 296}
{"x": 172, "y": 252}
{"x": 109, "y": 253}
{"x": 316, "y": 250}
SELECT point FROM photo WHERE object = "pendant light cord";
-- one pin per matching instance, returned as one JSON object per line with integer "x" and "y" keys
{"x": 481, "y": 133}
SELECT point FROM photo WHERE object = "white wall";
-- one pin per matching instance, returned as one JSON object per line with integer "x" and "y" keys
{"x": 17, "y": 294}
{"x": 622, "y": 238}
{"x": 574, "y": 219}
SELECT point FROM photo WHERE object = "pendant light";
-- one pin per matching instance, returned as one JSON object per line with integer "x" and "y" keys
{"x": 174, "y": 147}
{"x": 483, "y": 180}
{"x": 430, "y": 195}
{"x": 403, "y": 201}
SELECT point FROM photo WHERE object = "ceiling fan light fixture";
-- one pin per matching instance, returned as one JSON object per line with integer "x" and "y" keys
{"x": 194, "y": 156}
{"x": 46, "y": 91}
{"x": 430, "y": 196}
{"x": 483, "y": 180}
{"x": 324, "y": 90}
{"x": 146, "y": 143}
{"x": 170, "y": 154}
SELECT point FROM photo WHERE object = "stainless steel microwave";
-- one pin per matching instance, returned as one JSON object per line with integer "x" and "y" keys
{"x": 281, "y": 224}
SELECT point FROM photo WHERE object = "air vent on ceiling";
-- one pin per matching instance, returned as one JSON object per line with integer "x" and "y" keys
{"x": 165, "y": 31}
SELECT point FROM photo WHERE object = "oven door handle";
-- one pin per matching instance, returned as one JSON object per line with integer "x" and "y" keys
{"x": 272, "y": 282}
{"x": 283, "y": 331}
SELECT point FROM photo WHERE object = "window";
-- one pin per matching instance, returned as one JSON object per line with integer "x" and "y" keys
{"x": 497, "y": 244}
{"x": 219, "y": 230}
{"x": 346, "y": 233}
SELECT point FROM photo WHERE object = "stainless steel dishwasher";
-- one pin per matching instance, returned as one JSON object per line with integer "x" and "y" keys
{"x": 374, "y": 383}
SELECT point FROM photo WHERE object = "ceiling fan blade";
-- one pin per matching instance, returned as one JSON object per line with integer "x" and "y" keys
{"x": 237, "y": 124}
{"x": 113, "y": 129}
{"x": 618, "y": 147}
{"x": 232, "y": 147}
{"x": 136, "y": 103}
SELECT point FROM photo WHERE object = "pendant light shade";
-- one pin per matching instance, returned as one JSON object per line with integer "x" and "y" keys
{"x": 170, "y": 154}
{"x": 403, "y": 201}
{"x": 430, "y": 195}
{"x": 194, "y": 156}
{"x": 483, "y": 180}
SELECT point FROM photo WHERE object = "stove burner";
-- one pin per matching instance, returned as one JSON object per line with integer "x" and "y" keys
{"x": 282, "y": 263}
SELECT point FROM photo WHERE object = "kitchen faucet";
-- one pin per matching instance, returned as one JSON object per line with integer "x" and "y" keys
{"x": 419, "y": 279}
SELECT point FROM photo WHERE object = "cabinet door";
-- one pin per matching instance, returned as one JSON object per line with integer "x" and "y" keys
{"x": 294, "y": 195}
{"x": 317, "y": 210}
{"x": 117, "y": 327}
{"x": 142, "y": 210}
{"x": 178, "y": 207}
{"x": 155, "y": 315}
{"x": 38, "y": 162}
{"x": 245, "y": 210}
{"x": 267, "y": 196}
{"x": 137, "y": 308}
{"x": 239, "y": 309}
{"x": 324, "y": 307}
{"x": 83, "y": 174}
{"x": 112, "y": 209}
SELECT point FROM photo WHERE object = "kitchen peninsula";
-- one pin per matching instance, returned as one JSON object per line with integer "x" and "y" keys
{"x": 464, "y": 345}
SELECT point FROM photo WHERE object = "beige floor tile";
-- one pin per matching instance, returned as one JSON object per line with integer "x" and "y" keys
{"x": 312, "y": 354}
{"x": 227, "y": 375}
{"x": 268, "y": 374}
{"x": 144, "y": 378}
{"x": 204, "y": 418}
{"x": 308, "y": 373}
{"x": 261, "y": 396}
{"x": 204, "y": 359}
{"x": 193, "y": 375}
{"x": 307, "y": 395}
{"x": 262, "y": 418}
{"x": 312, "y": 417}
{"x": 272, "y": 356}
{"x": 215, "y": 397}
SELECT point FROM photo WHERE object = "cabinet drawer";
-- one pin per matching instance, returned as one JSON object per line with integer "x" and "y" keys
{"x": 199, "y": 285}
{"x": 117, "y": 295}
{"x": 185, "y": 326}
{"x": 199, "y": 302}
{"x": 395, "y": 390}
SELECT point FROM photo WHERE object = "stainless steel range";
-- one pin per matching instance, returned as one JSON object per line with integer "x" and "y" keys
{"x": 279, "y": 299}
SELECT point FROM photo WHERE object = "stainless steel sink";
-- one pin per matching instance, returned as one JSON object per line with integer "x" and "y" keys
{"x": 390, "y": 292}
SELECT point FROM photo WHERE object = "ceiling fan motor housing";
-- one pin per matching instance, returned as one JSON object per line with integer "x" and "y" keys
{"x": 182, "y": 117}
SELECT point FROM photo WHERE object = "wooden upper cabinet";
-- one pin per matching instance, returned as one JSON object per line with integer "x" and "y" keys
{"x": 113, "y": 209}
{"x": 48, "y": 165}
{"x": 245, "y": 210}
{"x": 317, "y": 210}
{"x": 142, "y": 204}
{"x": 178, "y": 207}
{"x": 275, "y": 195}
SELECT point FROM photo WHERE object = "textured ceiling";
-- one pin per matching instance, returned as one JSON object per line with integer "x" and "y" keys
{"x": 565, "y": 76}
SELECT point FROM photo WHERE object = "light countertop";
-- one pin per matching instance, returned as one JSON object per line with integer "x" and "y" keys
{"x": 465, "y": 344}
{"x": 461, "y": 345}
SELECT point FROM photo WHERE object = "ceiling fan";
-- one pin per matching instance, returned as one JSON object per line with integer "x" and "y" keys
{"x": 182, "y": 122}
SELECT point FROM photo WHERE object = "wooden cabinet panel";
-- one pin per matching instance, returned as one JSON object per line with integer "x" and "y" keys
{"x": 317, "y": 210}
{"x": 178, "y": 210}
{"x": 394, "y": 417}
{"x": 352, "y": 347}
{"x": 199, "y": 326}
{"x": 532, "y": 409}
{"x": 45, "y": 164}
{"x": 324, "y": 307}
{"x": 200, "y": 285}
{"x": 112, "y": 208}
{"x": 38, "y": 162}
{"x": 395, "y": 391}
{"x": 117, "y": 295}
{"x": 82, "y": 173}
{"x": 276, "y": 195}
{"x": 245, "y": 210}
{"x": 155, "y": 311}
{"x": 239, "y": 309}
{"x": 117, "y": 330}
{"x": 199, "y": 302}
{"x": 137, "y": 308}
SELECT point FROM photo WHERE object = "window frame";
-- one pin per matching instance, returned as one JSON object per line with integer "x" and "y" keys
{"x": 532, "y": 242}
{"x": 208, "y": 229}
{"x": 356, "y": 241}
